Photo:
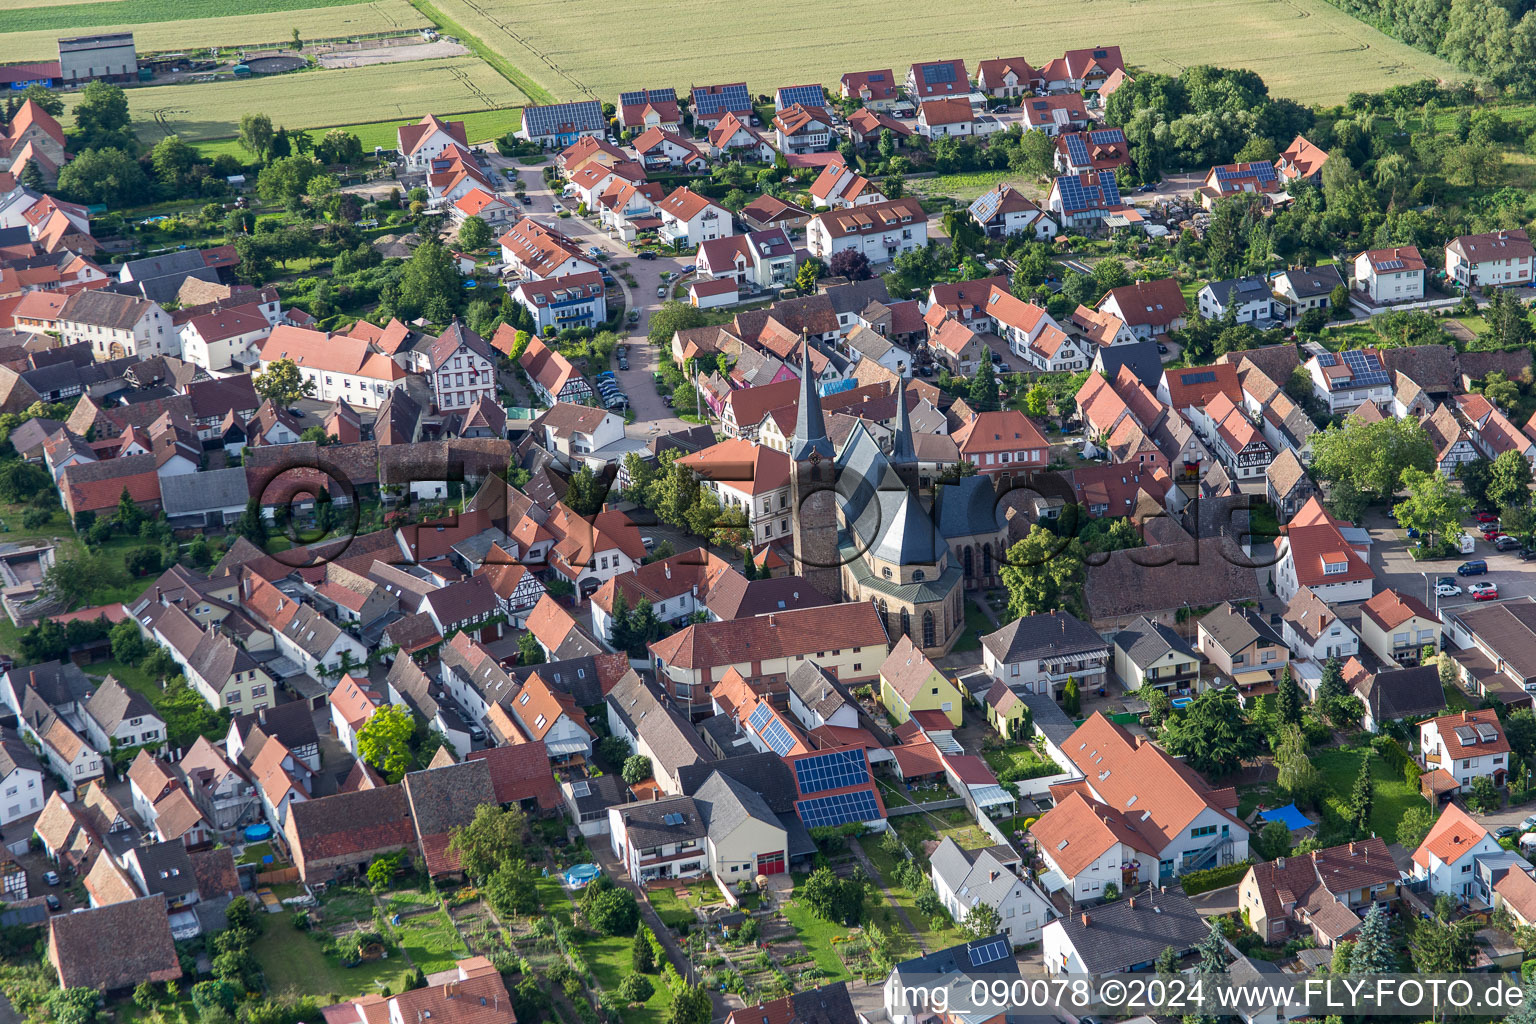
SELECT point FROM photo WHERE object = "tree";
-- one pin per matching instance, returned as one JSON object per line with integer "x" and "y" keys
{"x": 1212, "y": 735}
{"x": 637, "y": 768}
{"x": 339, "y": 147}
{"x": 1361, "y": 799}
{"x": 252, "y": 525}
{"x": 51, "y": 102}
{"x": 283, "y": 384}
{"x": 172, "y": 159}
{"x": 493, "y": 837}
{"x": 1342, "y": 951}
{"x": 1520, "y": 731}
{"x": 22, "y": 481}
{"x": 1373, "y": 952}
{"x": 636, "y": 988}
{"x": 674, "y": 316}
{"x": 981, "y": 921}
{"x": 641, "y": 956}
{"x": 528, "y": 650}
{"x": 1414, "y": 826}
{"x": 1037, "y": 401}
{"x": 1475, "y": 476}
{"x": 429, "y": 283}
{"x": 1071, "y": 698}
{"x": 612, "y": 911}
{"x": 690, "y": 1005}
{"x": 849, "y": 263}
{"x": 1331, "y": 685}
{"x": 1159, "y": 706}
{"x": 127, "y": 643}
{"x": 1372, "y": 457}
{"x": 982, "y": 394}
{"x": 1042, "y": 574}
{"x": 511, "y": 889}
{"x": 102, "y": 119}
{"x": 1433, "y": 507}
{"x": 1484, "y": 796}
{"x": 810, "y": 271}
{"x": 833, "y": 899}
{"x": 1288, "y": 699}
{"x": 1212, "y": 951}
{"x": 384, "y": 741}
{"x": 286, "y": 179}
{"x": 474, "y": 234}
{"x": 1509, "y": 482}
{"x": 73, "y": 578}
{"x": 108, "y": 176}
{"x": 1275, "y": 840}
{"x": 1167, "y": 963}
{"x": 1441, "y": 945}
{"x": 255, "y": 135}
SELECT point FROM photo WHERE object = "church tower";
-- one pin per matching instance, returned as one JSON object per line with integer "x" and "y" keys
{"x": 903, "y": 449}
{"x": 811, "y": 488}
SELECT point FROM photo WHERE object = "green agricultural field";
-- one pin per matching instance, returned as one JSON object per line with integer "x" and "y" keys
{"x": 168, "y": 26}
{"x": 319, "y": 98}
{"x": 1305, "y": 49}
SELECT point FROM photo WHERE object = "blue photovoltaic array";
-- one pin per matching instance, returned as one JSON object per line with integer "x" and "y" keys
{"x": 984, "y": 208}
{"x": 778, "y": 738}
{"x": 729, "y": 97}
{"x": 634, "y": 99}
{"x": 759, "y": 718}
{"x": 1077, "y": 151}
{"x": 1109, "y": 188}
{"x": 1259, "y": 172}
{"x": 987, "y": 951}
{"x": 1203, "y": 377}
{"x": 936, "y": 74}
{"x": 1106, "y": 136}
{"x": 838, "y": 810}
{"x": 836, "y": 770}
{"x": 1365, "y": 368}
{"x": 558, "y": 118}
{"x": 805, "y": 95}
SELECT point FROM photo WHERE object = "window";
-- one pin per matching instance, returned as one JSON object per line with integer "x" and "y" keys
{"x": 1204, "y": 830}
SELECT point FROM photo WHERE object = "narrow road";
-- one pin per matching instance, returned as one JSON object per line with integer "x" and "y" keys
{"x": 878, "y": 879}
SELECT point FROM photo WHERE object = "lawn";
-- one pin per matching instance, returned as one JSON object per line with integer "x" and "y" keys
{"x": 295, "y": 966}
{"x": 351, "y": 96}
{"x": 431, "y": 941}
{"x": 1306, "y": 49}
{"x": 977, "y": 625}
{"x": 130, "y": 676}
{"x": 965, "y": 186}
{"x": 170, "y": 26}
{"x": 479, "y": 126}
{"x": 609, "y": 958}
{"x": 817, "y": 935}
{"x": 1393, "y": 796}
{"x": 673, "y": 912}
{"x": 942, "y": 937}
{"x": 955, "y": 822}
{"x": 1029, "y": 760}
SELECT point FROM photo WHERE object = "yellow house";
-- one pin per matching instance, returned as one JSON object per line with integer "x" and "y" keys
{"x": 1397, "y": 627}
{"x": 1006, "y": 711}
{"x": 910, "y": 682}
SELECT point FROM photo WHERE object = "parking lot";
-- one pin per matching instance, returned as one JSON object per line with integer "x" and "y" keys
{"x": 1399, "y": 571}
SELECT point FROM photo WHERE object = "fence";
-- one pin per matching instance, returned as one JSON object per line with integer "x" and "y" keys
{"x": 897, "y": 810}
{"x": 281, "y": 876}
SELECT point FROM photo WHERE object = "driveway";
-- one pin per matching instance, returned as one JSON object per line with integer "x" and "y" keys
{"x": 651, "y": 416}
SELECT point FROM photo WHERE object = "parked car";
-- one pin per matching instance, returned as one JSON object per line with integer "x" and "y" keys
{"x": 647, "y": 254}
{"x": 1526, "y": 554}
{"x": 623, "y": 363}
{"x": 666, "y": 400}
{"x": 559, "y": 207}
{"x": 51, "y": 877}
{"x": 1485, "y": 517}
{"x": 1506, "y": 543}
{"x": 648, "y": 542}
{"x": 1447, "y": 590}
{"x": 525, "y": 200}
{"x": 689, "y": 268}
{"x": 1486, "y": 595}
{"x": 1162, "y": 349}
{"x": 1506, "y": 831}
{"x": 634, "y": 316}
{"x": 661, "y": 291}
{"x": 52, "y": 901}
{"x": 1529, "y": 823}
{"x": 925, "y": 370}
{"x": 1474, "y": 567}
{"x": 1482, "y": 588}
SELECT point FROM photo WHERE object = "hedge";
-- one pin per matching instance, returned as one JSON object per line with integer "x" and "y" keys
{"x": 1196, "y": 882}
{"x": 1395, "y": 755}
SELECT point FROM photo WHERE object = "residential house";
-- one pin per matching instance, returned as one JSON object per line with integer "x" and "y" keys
{"x": 1248, "y": 298}
{"x": 937, "y": 80}
{"x": 1039, "y": 653}
{"x": 659, "y": 839}
{"x": 1323, "y": 894}
{"x": 116, "y": 717}
{"x": 803, "y": 129}
{"x": 1447, "y": 857}
{"x": 21, "y": 779}
{"x": 1398, "y": 694}
{"x": 340, "y": 367}
{"x": 427, "y": 140}
{"x": 730, "y": 137}
{"x": 659, "y": 148}
{"x": 1086, "y": 70}
{"x": 882, "y": 231}
{"x": 1002, "y": 443}
{"x": 648, "y": 721}
{"x": 750, "y": 478}
{"x": 1241, "y": 447}
{"x": 1349, "y": 379}
{"x": 1083, "y": 201}
{"x": 1228, "y": 180}
{"x": 1148, "y": 308}
{"x": 867, "y": 127}
{"x": 1313, "y": 552}
{"x": 1124, "y": 936}
{"x": 910, "y": 683}
{"x": 985, "y": 962}
{"x": 1299, "y": 289}
{"x": 339, "y": 836}
{"x": 839, "y": 186}
{"x": 642, "y": 110}
{"x": 762, "y": 260}
{"x": 87, "y": 949}
{"x": 533, "y": 252}
{"x": 1492, "y": 259}
{"x": 1398, "y": 627}
{"x": 1287, "y": 485}
{"x": 1314, "y": 632}
{"x": 552, "y": 717}
{"x": 444, "y": 798}
{"x": 1150, "y": 654}
{"x": 828, "y": 1004}
{"x": 949, "y": 118}
{"x": 557, "y": 125}
{"x": 1098, "y": 149}
{"x": 744, "y": 838}
{"x": 572, "y": 431}
{"x": 1468, "y": 745}
{"x": 1453, "y": 445}
{"x": 689, "y": 219}
{"x": 712, "y": 103}
{"x": 1383, "y": 277}
{"x": 876, "y": 90}
{"x": 1008, "y": 78}
{"x": 1005, "y": 212}
{"x": 553, "y": 377}
{"x": 1242, "y": 646}
{"x": 117, "y": 325}
{"x": 1301, "y": 161}
{"x": 964, "y": 879}
{"x": 953, "y": 345}
{"x": 1054, "y": 115}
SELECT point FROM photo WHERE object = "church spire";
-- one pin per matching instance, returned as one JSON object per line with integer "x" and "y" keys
{"x": 810, "y": 427}
{"x": 902, "y": 451}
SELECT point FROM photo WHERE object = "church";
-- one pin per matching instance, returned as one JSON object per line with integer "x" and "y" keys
{"x": 863, "y": 532}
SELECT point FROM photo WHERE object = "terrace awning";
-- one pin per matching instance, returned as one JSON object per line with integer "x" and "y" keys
{"x": 990, "y": 796}
{"x": 560, "y": 748}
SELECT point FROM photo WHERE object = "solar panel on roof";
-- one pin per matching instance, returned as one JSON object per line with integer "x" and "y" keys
{"x": 1105, "y": 136}
{"x": 987, "y": 951}
{"x": 985, "y": 207}
{"x": 937, "y": 74}
{"x": 779, "y": 739}
{"x": 806, "y": 95}
{"x": 759, "y": 717}
{"x": 875, "y": 76}
{"x": 836, "y": 770}
{"x": 1077, "y": 151}
{"x": 728, "y": 97}
{"x": 1326, "y": 359}
{"x": 672, "y": 819}
{"x": 839, "y": 809}
{"x": 1203, "y": 377}
{"x": 1390, "y": 265}
{"x": 1109, "y": 188}
{"x": 639, "y": 96}
{"x": 560, "y": 118}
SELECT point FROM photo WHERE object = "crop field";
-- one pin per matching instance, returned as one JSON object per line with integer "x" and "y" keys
{"x": 479, "y": 126}
{"x": 1304, "y": 49}
{"x": 319, "y": 98}
{"x": 168, "y": 26}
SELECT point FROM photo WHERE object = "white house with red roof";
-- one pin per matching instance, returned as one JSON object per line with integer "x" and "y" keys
{"x": 732, "y": 137}
{"x": 1005, "y": 212}
{"x": 1467, "y": 744}
{"x": 1236, "y": 179}
{"x": 1348, "y": 380}
{"x": 763, "y": 259}
{"x": 1137, "y": 815}
{"x": 477, "y": 202}
{"x": 32, "y": 138}
{"x": 1301, "y": 161}
{"x": 1032, "y": 335}
{"x": 1313, "y": 552}
{"x": 1002, "y": 442}
{"x": 644, "y": 109}
{"x": 966, "y": 301}
{"x": 576, "y": 300}
{"x": 751, "y": 478}
{"x": 881, "y": 231}
{"x": 839, "y": 186}
{"x": 1082, "y": 70}
{"x": 950, "y": 116}
{"x": 954, "y": 345}
{"x": 420, "y": 143}
{"x": 1008, "y": 78}
{"x": 225, "y": 340}
{"x": 1234, "y": 439}
{"x": 1447, "y": 858}
{"x": 1500, "y": 258}
{"x": 660, "y": 148}
{"x": 1387, "y": 276}
{"x": 534, "y": 252}
{"x": 803, "y": 129}
{"x": 688, "y": 218}
{"x": 340, "y": 367}
{"x": 938, "y": 80}
{"x": 592, "y": 180}
{"x": 1148, "y": 308}
{"x": 877, "y": 89}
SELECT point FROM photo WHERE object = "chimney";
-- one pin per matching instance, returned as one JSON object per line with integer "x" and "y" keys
{"x": 1466, "y": 716}
{"x": 1352, "y": 848}
{"x": 1279, "y": 863}
{"x": 1085, "y": 919}
{"x": 1314, "y": 856}
{"x": 1132, "y": 902}
{"x": 991, "y": 876}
